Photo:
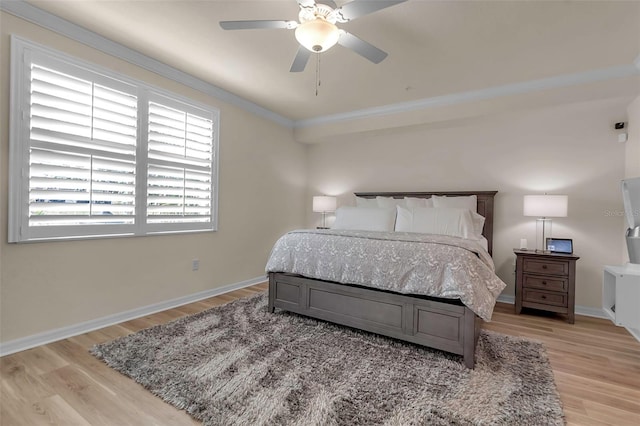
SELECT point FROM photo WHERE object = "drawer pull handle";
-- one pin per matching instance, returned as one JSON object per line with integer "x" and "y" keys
{"x": 544, "y": 283}
{"x": 544, "y": 297}
{"x": 544, "y": 266}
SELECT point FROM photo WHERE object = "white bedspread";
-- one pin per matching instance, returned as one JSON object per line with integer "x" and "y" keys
{"x": 403, "y": 262}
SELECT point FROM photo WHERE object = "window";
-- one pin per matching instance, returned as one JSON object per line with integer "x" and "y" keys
{"x": 97, "y": 154}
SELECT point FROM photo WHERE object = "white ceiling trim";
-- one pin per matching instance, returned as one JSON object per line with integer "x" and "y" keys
{"x": 30, "y": 13}
{"x": 26, "y": 11}
{"x": 477, "y": 95}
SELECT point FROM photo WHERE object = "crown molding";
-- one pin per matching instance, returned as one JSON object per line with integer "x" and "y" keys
{"x": 478, "y": 95}
{"x": 28, "y": 12}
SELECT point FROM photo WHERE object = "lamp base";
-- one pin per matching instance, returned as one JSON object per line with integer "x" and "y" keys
{"x": 543, "y": 231}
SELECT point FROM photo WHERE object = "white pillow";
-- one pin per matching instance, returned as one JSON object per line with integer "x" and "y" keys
{"x": 478, "y": 224}
{"x": 407, "y": 202}
{"x": 412, "y": 202}
{"x": 470, "y": 202}
{"x": 390, "y": 202}
{"x": 365, "y": 218}
{"x": 366, "y": 202}
{"x": 452, "y": 221}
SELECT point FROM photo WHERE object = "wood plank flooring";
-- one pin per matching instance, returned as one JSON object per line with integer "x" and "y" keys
{"x": 596, "y": 367}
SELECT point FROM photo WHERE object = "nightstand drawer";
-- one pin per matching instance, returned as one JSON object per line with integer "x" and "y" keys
{"x": 544, "y": 297}
{"x": 542, "y": 266}
{"x": 546, "y": 283}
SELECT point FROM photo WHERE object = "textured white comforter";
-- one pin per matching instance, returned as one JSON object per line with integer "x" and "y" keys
{"x": 403, "y": 262}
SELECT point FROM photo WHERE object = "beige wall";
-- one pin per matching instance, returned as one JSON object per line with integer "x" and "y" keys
{"x": 632, "y": 157}
{"x": 632, "y": 164}
{"x": 569, "y": 149}
{"x": 45, "y": 286}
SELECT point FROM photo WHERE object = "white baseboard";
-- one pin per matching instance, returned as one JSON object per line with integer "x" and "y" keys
{"x": 511, "y": 300}
{"x": 634, "y": 332}
{"x": 39, "y": 339}
{"x": 587, "y": 311}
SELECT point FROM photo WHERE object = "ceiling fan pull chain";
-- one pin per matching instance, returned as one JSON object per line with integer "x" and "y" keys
{"x": 317, "y": 72}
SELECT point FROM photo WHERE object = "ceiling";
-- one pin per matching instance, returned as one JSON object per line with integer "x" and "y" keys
{"x": 436, "y": 48}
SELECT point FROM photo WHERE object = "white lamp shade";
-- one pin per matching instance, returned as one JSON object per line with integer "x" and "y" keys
{"x": 546, "y": 205}
{"x": 323, "y": 203}
{"x": 317, "y": 35}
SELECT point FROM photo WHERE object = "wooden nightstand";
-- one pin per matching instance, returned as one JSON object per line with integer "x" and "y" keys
{"x": 546, "y": 281}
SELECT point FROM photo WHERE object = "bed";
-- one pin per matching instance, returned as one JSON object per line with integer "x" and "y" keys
{"x": 447, "y": 324}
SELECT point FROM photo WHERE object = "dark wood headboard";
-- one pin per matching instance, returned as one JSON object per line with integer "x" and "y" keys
{"x": 485, "y": 205}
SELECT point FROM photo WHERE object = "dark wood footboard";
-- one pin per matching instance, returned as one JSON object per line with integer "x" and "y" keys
{"x": 448, "y": 326}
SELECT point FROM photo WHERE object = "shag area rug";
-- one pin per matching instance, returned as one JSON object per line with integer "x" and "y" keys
{"x": 237, "y": 364}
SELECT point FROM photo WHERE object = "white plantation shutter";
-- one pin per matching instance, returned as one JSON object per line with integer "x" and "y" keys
{"x": 83, "y": 151}
{"x": 73, "y": 189}
{"x": 180, "y": 163}
{"x": 94, "y": 153}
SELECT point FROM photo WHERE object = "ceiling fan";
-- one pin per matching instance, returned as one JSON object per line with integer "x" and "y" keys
{"x": 317, "y": 31}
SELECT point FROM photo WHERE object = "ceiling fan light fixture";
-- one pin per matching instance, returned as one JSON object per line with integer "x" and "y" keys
{"x": 317, "y": 35}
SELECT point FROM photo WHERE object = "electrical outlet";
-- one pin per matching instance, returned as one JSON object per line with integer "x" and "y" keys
{"x": 195, "y": 264}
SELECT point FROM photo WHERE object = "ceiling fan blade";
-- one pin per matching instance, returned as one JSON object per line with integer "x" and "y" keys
{"x": 361, "y": 47}
{"x": 251, "y": 25}
{"x": 301, "y": 59}
{"x": 311, "y": 3}
{"x": 357, "y": 8}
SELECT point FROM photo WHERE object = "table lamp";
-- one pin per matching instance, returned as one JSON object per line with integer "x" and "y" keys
{"x": 544, "y": 207}
{"x": 324, "y": 204}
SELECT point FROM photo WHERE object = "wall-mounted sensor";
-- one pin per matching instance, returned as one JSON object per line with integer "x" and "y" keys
{"x": 619, "y": 125}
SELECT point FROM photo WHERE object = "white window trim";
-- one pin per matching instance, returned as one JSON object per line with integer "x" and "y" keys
{"x": 18, "y": 221}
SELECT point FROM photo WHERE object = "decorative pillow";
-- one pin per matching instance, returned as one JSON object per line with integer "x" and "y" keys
{"x": 366, "y": 202}
{"x": 365, "y": 218}
{"x": 452, "y": 221}
{"x": 412, "y": 202}
{"x": 470, "y": 202}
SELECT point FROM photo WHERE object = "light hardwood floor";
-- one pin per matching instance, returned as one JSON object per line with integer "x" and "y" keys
{"x": 596, "y": 367}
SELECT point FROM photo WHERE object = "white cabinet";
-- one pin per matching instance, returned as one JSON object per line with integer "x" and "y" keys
{"x": 621, "y": 296}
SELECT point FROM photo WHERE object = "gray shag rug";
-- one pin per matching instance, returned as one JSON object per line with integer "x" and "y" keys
{"x": 237, "y": 364}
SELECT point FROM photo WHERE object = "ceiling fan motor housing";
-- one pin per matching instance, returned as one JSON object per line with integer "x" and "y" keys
{"x": 321, "y": 11}
{"x": 317, "y": 31}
